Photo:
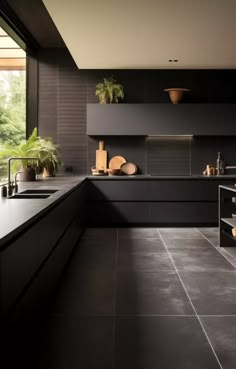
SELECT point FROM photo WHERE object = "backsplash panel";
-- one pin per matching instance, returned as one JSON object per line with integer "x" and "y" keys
{"x": 168, "y": 155}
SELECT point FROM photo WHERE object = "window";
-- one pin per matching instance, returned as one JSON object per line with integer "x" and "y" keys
{"x": 12, "y": 96}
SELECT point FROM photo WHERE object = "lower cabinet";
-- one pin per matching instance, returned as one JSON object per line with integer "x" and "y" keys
{"x": 25, "y": 263}
{"x": 153, "y": 201}
{"x": 38, "y": 294}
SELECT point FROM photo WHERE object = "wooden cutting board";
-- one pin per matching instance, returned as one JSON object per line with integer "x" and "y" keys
{"x": 101, "y": 157}
{"x": 116, "y": 162}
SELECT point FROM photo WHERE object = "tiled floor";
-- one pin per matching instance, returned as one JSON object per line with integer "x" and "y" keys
{"x": 141, "y": 298}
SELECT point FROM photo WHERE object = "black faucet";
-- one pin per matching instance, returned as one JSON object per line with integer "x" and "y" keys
{"x": 11, "y": 186}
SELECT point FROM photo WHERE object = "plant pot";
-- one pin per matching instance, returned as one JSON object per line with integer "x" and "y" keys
{"x": 49, "y": 171}
{"x": 105, "y": 100}
{"x": 28, "y": 175}
{"x": 176, "y": 94}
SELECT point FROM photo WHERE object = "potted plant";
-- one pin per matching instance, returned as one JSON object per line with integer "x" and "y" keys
{"x": 36, "y": 147}
{"x": 109, "y": 91}
{"x": 49, "y": 156}
{"x": 23, "y": 150}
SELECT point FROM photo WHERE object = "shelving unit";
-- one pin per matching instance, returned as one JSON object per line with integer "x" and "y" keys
{"x": 227, "y": 220}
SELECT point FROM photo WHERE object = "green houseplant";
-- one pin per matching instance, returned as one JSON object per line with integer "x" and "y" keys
{"x": 43, "y": 149}
{"x": 109, "y": 91}
{"x": 24, "y": 149}
{"x": 49, "y": 156}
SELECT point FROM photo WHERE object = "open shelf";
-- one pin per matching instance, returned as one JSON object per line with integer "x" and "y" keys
{"x": 229, "y": 221}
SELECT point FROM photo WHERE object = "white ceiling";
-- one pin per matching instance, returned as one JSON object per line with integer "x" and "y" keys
{"x": 145, "y": 34}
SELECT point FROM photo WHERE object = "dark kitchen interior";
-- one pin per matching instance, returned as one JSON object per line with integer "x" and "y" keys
{"x": 116, "y": 272}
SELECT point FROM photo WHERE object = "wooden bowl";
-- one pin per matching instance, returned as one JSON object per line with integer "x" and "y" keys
{"x": 176, "y": 94}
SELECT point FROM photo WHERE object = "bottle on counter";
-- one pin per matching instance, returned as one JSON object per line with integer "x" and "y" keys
{"x": 219, "y": 165}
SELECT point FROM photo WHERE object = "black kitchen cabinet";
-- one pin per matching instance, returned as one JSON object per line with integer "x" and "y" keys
{"x": 161, "y": 119}
{"x": 153, "y": 201}
{"x": 31, "y": 265}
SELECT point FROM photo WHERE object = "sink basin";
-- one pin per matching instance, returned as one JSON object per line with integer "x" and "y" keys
{"x": 30, "y": 196}
{"x": 38, "y": 191}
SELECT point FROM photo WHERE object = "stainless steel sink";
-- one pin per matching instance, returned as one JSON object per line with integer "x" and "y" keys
{"x": 30, "y": 196}
{"x": 38, "y": 191}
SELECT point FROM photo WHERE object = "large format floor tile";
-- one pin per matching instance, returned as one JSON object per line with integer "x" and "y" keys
{"x": 92, "y": 255}
{"x": 198, "y": 259}
{"x": 180, "y": 233}
{"x": 231, "y": 251}
{"x": 144, "y": 261}
{"x": 212, "y": 293}
{"x": 100, "y": 234}
{"x": 141, "y": 245}
{"x": 137, "y": 233}
{"x": 86, "y": 293}
{"x": 222, "y": 333}
{"x": 187, "y": 243}
{"x": 209, "y": 231}
{"x": 148, "y": 293}
{"x": 77, "y": 343}
{"x": 162, "y": 342}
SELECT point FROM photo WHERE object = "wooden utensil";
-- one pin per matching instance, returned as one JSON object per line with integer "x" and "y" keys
{"x": 128, "y": 168}
{"x": 101, "y": 157}
{"x": 116, "y": 162}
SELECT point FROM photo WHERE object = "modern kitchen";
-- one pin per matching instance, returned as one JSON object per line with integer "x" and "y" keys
{"x": 125, "y": 257}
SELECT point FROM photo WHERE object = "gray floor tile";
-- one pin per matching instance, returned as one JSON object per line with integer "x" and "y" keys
{"x": 209, "y": 231}
{"x": 212, "y": 293}
{"x": 199, "y": 259}
{"x": 180, "y": 233}
{"x": 214, "y": 240}
{"x": 162, "y": 342}
{"x": 222, "y": 334}
{"x": 137, "y": 233}
{"x": 146, "y": 244}
{"x": 145, "y": 261}
{"x": 86, "y": 293}
{"x": 231, "y": 250}
{"x": 165, "y": 230}
{"x": 147, "y": 293}
{"x": 100, "y": 234}
{"x": 228, "y": 255}
{"x": 77, "y": 343}
{"x": 188, "y": 243}
{"x": 92, "y": 255}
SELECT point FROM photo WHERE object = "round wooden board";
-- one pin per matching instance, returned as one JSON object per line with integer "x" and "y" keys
{"x": 116, "y": 162}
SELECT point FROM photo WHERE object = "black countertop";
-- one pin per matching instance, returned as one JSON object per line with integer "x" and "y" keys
{"x": 150, "y": 177}
{"x": 17, "y": 214}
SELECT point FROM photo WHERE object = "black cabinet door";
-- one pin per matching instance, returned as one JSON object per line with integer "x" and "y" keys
{"x": 24, "y": 257}
{"x": 183, "y": 213}
{"x": 161, "y": 119}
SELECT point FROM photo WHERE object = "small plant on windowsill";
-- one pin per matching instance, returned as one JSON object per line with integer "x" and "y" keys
{"x": 109, "y": 91}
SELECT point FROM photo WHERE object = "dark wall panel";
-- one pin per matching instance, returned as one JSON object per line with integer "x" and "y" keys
{"x": 64, "y": 91}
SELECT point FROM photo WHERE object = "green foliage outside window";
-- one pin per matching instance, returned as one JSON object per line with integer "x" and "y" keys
{"x": 12, "y": 110}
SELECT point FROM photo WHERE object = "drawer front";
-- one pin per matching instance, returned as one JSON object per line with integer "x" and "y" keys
{"x": 117, "y": 213}
{"x": 185, "y": 190}
{"x": 117, "y": 190}
{"x": 183, "y": 213}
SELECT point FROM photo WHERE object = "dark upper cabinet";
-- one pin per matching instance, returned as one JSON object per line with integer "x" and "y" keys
{"x": 161, "y": 119}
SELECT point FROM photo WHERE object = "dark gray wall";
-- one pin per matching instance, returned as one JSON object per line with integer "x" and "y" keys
{"x": 64, "y": 92}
